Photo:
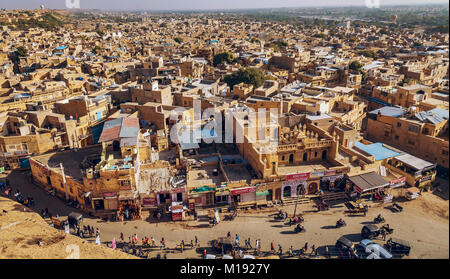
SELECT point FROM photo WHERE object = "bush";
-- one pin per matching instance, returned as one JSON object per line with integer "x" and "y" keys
{"x": 223, "y": 57}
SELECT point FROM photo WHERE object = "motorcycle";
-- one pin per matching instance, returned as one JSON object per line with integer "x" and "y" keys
{"x": 295, "y": 221}
{"x": 379, "y": 219}
{"x": 279, "y": 217}
{"x": 340, "y": 224}
{"x": 387, "y": 229}
{"x": 299, "y": 229}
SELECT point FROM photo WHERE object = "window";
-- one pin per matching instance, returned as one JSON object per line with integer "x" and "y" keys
{"x": 414, "y": 128}
{"x": 386, "y": 133}
{"x": 399, "y": 124}
{"x": 410, "y": 142}
{"x": 445, "y": 152}
{"x": 282, "y": 158}
{"x": 396, "y": 137}
{"x": 124, "y": 183}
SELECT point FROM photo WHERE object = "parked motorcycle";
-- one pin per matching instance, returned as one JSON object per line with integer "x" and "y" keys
{"x": 299, "y": 229}
{"x": 379, "y": 219}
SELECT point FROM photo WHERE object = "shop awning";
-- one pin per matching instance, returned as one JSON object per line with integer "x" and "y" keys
{"x": 368, "y": 182}
{"x": 126, "y": 195}
{"x": 202, "y": 189}
{"x": 265, "y": 193}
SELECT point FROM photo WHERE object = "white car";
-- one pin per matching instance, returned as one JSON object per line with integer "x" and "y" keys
{"x": 375, "y": 250}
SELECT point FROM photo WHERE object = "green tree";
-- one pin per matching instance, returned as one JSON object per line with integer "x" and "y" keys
{"x": 178, "y": 40}
{"x": 253, "y": 76}
{"x": 355, "y": 65}
{"x": 21, "y": 51}
{"x": 223, "y": 57}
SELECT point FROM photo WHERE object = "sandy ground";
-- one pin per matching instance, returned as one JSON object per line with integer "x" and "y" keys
{"x": 424, "y": 222}
{"x": 21, "y": 230}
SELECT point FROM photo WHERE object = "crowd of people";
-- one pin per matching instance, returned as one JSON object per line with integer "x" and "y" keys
{"x": 128, "y": 211}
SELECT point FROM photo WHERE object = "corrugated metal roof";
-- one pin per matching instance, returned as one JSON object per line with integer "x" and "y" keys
{"x": 369, "y": 181}
{"x": 413, "y": 161}
{"x": 120, "y": 128}
{"x": 429, "y": 116}
{"x": 109, "y": 134}
{"x": 377, "y": 149}
{"x": 389, "y": 111}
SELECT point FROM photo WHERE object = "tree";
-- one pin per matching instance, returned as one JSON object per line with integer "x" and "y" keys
{"x": 355, "y": 65}
{"x": 253, "y": 76}
{"x": 221, "y": 57}
{"x": 22, "y": 51}
{"x": 178, "y": 40}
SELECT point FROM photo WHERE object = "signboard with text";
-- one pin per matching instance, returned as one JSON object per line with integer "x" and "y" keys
{"x": 298, "y": 176}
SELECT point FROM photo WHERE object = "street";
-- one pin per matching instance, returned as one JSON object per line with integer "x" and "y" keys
{"x": 423, "y": 222}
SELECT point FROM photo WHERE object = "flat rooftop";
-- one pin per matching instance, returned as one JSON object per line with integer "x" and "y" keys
{"x": 70, "y": 160}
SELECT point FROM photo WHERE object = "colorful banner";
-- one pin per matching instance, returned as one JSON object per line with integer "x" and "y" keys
{"x": 330, "y": 172}
{"x": 243, "y": 191}
{"x": 396, "y": 181}
{"x": 298, "y": 176}
{"x": 317, "y": 174}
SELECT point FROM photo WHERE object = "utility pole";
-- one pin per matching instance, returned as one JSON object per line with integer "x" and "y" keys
{"x": 64, "y": 181}
{"x": 296, "y": 202}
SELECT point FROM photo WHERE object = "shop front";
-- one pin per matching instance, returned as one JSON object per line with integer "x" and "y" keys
{"x": 128, "y": 206}
{"x": 295, "y": 184}
{"x": 244, "y": 195}
{"x": 222, "y": 196}
{"x": 179, "y": 194}
{"x": 111, "y": 201}
{"x": 178, "y": 211}
{"x": 203, "y": 196}
{"x": 331, "y": 181}
{"x": 368, "y": 184}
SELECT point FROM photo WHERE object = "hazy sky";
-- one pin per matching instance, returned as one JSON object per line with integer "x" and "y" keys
{"x": 196, "y": 4}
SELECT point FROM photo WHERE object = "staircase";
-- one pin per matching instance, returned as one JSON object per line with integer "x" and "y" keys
{"x": 293, "y": 200}
{"x": 334, "y": 196}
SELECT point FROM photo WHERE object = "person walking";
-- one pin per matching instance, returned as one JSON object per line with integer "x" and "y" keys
{"x": 153, "y": 242}
{"x": 196, "y": 242}
{"x": 280, "y": 250}
{"x": 383, "y": 233}
{"x": 249, "y": 243}
{"x": 313, "y": 249}
{"x": 121, "y": 236}
{"x": 204, "y": 253}
{"x": 237, "y": 240}
{"x": 272, "y": 247}
{"x": 305, "y": 247}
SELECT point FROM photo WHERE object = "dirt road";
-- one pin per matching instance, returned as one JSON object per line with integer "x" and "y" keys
{"x": 423, "y": 222}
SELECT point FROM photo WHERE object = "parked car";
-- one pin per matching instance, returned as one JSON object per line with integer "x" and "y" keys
{"x": 344, "y": 245}
{"x": 412, "y": 193}
{"x": 375, "y": 248}
{"x": 370, "y": 231}
{"x": 398, "y": 246}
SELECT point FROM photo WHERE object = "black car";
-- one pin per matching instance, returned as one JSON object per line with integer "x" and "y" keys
{"x": 370, "y": 231}
{"x": 398, "y": 246}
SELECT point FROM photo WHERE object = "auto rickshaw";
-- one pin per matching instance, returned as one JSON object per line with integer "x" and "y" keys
{"x": 75, "y": 219}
